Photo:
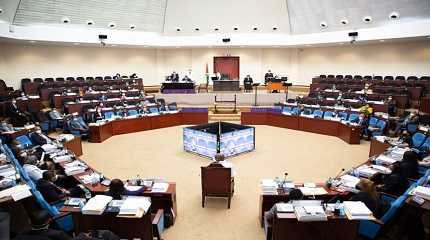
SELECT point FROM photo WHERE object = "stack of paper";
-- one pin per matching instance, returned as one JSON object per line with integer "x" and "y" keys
{"x": 366, "y": 171}
{"x": 160, "y": 187}
{"x": 134, "y": 207}
{"x": 64, "y": 158}
{"x": 349, "y": 181}
{"x": 7, "y": 170}
{"x": 96, "y": 205}
{"x": 382, "y": 169}
{"x": 310, "y": 213}
{"x": 310, "y": 191}
{"x": 17, "y": 192}
{"x": 357, "y": 210}
{"x": 423, "y": 192}
{"x": 386, "y": 160}
{"x": 284, "y": 207}
{"x": 269, "y": 186}
{"x": 74, "y": 168}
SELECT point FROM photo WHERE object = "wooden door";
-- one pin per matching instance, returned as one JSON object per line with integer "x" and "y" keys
{"x": 227, "y": 65}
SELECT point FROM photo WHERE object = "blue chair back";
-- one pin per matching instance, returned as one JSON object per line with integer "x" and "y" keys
{"x": 425, "y": 147}
{"x": 343, "y": 115}
{"x": 353, "y": 117}
{"x": 154, "y": 110}
{"x": 328, "y": 114}
{"x": 25, "y": 141}
{"x": 418, "y": 139}
{"x": 132, "y": 112}
{"x": 412, "y": 128}
{"x": 108, "y": 114}
{"x": 286, "y": 109}
{"x": 172, "y": 107}
{"x": 295, "y": 111}
{"x": 373, "y": 121}
{"x": 318, "y": 113}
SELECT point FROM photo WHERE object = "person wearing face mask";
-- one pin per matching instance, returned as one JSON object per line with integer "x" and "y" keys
{"x": 99, "y": 114}
{"x": 52, "y": 192}
{"x": 5, "y": 126}
{"x": 38, "y": 138}
{"x": 30, "y": 166}
{"x": 412, "y": 118}
{"x": 17, "y": 117}
{"x": 77, "y": 124}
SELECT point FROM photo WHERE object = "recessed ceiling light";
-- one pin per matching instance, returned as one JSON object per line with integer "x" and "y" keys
{"x": 90, "y": 22}
{"x": 235, "y": 28}
{"x": 323, "y": 24}
{"x": 394, "y": 15}
{"x": 197, "y": 29}
{"x": 344, "y": 21}
{"x": 216, "y": 29}
{"x": 367, "y": 19}
{"x": 112, "y": 24}
{"x": 274, "y": 28}
{"x": 65, "y": 20}
{"x": 1, "y": 10}
{"x": 178, "y": 29}
{"x": 255, "y": 28}
{"x": 132, "y": 26}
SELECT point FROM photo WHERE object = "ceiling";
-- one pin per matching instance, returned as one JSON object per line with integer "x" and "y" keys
{"x": 183, "y": 17}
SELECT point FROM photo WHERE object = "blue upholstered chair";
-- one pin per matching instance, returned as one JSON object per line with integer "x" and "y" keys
{"x": 295, "y": 111}
{"x": 412, "y": 128}
{"x": 373, "y": 121}
{"x": 318, "y": 113}
{"x": 154, "y": 110}
{"x": 418, "y": 139}
{"x": 425, "y": 147}
{"x": 328, "y": 114}
{"x": 381, "y": 124}
{"x": 343, "y": 116}
{"x": 286, "y": 110}
{"x": 108, "y": 114}
{"x": 25, "y": 141}
{"x": 132, "y": 112}
{"x": 353, "y": 117}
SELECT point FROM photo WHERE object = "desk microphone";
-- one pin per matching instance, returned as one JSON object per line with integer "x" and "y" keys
{"x": 330, "y": 180}
{"x": 285, "y": 178}
{"x": 340, "y": 173}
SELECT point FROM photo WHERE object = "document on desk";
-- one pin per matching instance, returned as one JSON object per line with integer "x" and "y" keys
{"x": 357, "y": 210}
{"x": 96, "y": 205}
{"x": 309, "y": 191}
{"x": 160, "y": 187}
{"x": 423, "y": 192}
{"x": 17, "y": 192}
{"x": 383, "y": 159}
{"x": 134, "y": 207}
{"x": 284, "y": 207}
{"x": 310, "y": 213}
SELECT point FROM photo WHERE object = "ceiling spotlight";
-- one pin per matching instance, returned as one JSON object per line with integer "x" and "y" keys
{"x": 394, "y": 15}
{"x": 344, "y": 21}
{"x": 1, "y": 10}
{"x": 65, "y": 20}
{"x": 255, "y": 28}
{"x": 235, "y": 28}
{"x": 323, "y": 24}
{"x": 196, "y": 29}
{"x": 178, "y": 29}
{"x": 274, "y": 28}
{"x": 112, "y": 24}
{"x": 216, "y": 29}
{"x": 90, "y": 22}
{"x": 132, "y": 26}
{"x": 367, "y": 19}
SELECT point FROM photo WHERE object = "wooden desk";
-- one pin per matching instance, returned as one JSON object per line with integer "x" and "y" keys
{"x": 349, "y": 134}
{"x": 128, "y": 228}
{"x": 59, "y": 99}
{"x": 377, "y": 147}
{"x": 122, "y": 126}
{"x": 74, "y": 145}
{"x": 286, "y": 226}
{"x": 267, "y": 201}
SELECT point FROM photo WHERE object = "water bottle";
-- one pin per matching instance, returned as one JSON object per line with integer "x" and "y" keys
{"x": 87, "y": 193}
{"x": 337, "y": 208}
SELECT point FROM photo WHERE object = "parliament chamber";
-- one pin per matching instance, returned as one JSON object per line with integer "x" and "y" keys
{"x": 283, "y": 119}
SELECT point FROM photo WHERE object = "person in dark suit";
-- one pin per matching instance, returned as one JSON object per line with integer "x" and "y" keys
{"x": 247, "y": 82}
{"x": 394, "y": 184}
{"x": 174, "y": 77}
{"x": 50, "y": 191}
{"x": 17, "y": 117}
{"x": 98, "y": 115}
{"x": 409, "y": 165}
{"x": 186, "y": 79}
{"x": 76, "y": 124}
{"x": 38, "y": 138}
{"x": 117, "y": 190}
{"x": 268, "y": 76}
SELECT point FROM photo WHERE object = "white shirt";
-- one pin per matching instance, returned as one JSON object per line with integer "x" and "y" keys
{"x": 33, "y": 172}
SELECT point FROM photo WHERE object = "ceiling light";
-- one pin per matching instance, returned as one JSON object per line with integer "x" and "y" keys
{"x": 196, "y": 29}
{"x": 90, "y": 22}
{"x": 1, "y": 10}
{"x": 178, "y": 29}
{"x": 367, "y": 19}
{"x": 235, "y": 28}
{"x": 344, "y": 21}
{"x": 132, "y": 26}
{"x": 255, "y": 28}
{"x": 394, "y": 15}
{"x": 112, "y": 24}
{"x": 216, "y": 29}
{"x": 274, "y": 28}
{"x": 65, "y": 20}
{"x": 323, "y": 25}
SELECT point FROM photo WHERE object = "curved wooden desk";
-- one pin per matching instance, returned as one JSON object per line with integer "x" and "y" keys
{"x": 349, "y": 134}
{"x": 104, "y": 131}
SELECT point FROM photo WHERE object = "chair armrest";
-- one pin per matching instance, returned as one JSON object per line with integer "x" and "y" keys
{"x": 61, "y": 215}
{"x": 155, "y": 218}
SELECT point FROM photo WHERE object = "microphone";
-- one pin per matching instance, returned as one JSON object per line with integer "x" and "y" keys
{"x": 329, "y": 182}
{"x": 285, "y": 178}
{"x": 340, "y": 173}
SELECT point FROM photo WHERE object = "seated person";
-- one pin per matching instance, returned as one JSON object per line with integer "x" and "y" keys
{"x": 98, "y": 115}
{"x": 395, "y": 183}
{"x": 366, "y": 110}
{"x": 405, "y": 139}
{"x": 268, "y": 76}
{"x": 221, "y": 162}
{"x": 247, "y": 82}
{"x": 368, "y": 195}
{"x": 53, "y": 193}
{"x": 412, "y": 118}
{"x": 54, "y": 114}
{"x": 186, "y": 79}
{"x": 17, "y": 117}
{"x": 392, "y": 110}
{"x": 77, "y": 124}
{"x": 117, "y": 190}
{"x": 38, "y": 138}
{"x": 294, "y": 194}
{"x": 30, "y": 165}
{"x": 174, "y": 77}
{"x": 409, "y": 165}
